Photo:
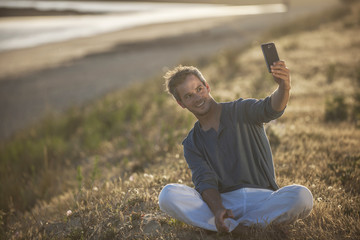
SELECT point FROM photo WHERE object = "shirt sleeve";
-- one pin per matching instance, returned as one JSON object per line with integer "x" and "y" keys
{"x": 203, "y": 176}
{"x": 260, "y": 111}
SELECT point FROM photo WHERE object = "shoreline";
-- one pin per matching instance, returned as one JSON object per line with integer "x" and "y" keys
{"x": 53, "y": 55}
{"x": 56, "y": 76}
{"x": 6, "y": 12}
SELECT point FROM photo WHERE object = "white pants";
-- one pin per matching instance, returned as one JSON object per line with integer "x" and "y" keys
{"x": 249, "y": 205}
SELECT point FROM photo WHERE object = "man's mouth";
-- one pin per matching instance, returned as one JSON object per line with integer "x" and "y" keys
{"x": 200, "y": 104}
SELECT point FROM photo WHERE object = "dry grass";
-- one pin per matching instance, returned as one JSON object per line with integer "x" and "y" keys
{"x": 113, "y": 194}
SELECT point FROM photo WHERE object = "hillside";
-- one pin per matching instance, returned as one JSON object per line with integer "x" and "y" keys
{"x": 96, "y": 172}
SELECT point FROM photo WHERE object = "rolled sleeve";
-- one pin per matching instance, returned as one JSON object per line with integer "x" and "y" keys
{"x": 260, "y": 111}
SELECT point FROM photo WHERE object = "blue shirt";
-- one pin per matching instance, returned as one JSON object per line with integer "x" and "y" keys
{"x": 237, "y": 155}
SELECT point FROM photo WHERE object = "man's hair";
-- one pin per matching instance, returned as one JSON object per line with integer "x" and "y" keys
{"x": 177, "y": 76}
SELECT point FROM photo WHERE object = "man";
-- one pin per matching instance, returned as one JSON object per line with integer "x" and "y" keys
{"x": 230, "y": 159}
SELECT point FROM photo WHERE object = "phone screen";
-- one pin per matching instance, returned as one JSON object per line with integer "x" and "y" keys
{"x": 270, "y": 54}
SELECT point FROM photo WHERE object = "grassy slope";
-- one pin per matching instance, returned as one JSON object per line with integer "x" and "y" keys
{"x": 113, "y": 157}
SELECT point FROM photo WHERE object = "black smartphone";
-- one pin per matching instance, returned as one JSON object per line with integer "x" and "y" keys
{"x": 270, "y": 54}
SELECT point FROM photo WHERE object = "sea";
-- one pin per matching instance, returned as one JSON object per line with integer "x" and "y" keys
{"x": 104, "y": 17}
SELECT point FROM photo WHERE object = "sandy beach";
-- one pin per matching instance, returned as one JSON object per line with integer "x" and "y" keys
{"x": 56, "y": 76}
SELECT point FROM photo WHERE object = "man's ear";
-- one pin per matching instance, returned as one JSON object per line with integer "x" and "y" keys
{"x": 207, "y": 87}
{"x": 180, "y": 103}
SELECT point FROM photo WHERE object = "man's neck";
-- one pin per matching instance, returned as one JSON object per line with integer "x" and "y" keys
{"x": 212, "y": 118}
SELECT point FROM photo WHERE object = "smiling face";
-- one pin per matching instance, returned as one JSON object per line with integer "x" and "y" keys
{"x": 195, "y": 96}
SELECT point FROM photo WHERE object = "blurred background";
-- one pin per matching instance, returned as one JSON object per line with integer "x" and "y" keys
{"x": 86, "y": 126}
{"x": 59, "y": 54}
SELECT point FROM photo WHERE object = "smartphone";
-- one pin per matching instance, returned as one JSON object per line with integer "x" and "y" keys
{"x": 270, "y": 54}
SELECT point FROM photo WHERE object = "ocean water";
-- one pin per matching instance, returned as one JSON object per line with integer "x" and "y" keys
{"x": 16, "y": 33}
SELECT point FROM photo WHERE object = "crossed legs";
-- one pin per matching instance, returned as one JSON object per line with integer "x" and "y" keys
{"x": 249, "y": 205}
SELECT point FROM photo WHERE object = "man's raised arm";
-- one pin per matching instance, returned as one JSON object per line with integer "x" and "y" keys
{"x": 280, "y": 97}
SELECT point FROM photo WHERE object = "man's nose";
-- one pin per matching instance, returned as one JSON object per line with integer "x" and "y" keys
{"x": 197, "y": 96}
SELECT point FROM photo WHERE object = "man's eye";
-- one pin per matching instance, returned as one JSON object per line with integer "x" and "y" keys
{"x": 199, "y": 89}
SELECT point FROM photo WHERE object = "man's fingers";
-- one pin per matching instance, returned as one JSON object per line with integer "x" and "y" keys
{"x": 219, "y": 221}
{"x": 225, "y": 229}
{"x": 280, "y": 71}
{"x": 222, "y": 227}
{"x": 280, "y": 74}
{"x": 229, "y": 214}
{"x": 281, "y": 63}
{"x": 279, "y": 67}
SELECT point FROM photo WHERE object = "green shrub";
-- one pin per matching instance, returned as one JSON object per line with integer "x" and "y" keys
{"x": 348, "y": 1}
{"x": 356, "y": 109}
{"x": 330, "y": 73}
{"x": 357, "y": 74}
{"x": 336, "y": 109}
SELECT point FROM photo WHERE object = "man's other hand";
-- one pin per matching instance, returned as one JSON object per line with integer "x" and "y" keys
{"x": 220, "y": 216}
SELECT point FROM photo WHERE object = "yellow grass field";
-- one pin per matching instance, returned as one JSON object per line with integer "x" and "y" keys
{"x": 98, "y": 170}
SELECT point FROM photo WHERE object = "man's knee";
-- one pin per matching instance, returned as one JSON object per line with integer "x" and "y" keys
{"x": 299, "y": 203}
{"x": 169, "y": 196}
{"x": 164, "y": 196}
{"x": 303, "y": 199}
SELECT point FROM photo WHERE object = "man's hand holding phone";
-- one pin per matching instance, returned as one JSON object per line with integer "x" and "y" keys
{"x": 281, "y": 75}
{"x": 276, "y": 67}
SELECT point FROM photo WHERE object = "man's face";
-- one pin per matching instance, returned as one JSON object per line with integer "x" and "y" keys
{"x": 195, "y": 96}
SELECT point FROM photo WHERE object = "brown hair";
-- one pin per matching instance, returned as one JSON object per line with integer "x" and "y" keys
{"x": 177, "y": 76}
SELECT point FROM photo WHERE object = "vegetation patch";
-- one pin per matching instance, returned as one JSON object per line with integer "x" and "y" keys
{"x": 96, "y": 172}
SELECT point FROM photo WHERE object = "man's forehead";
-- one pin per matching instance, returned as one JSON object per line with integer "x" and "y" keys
{"x": 191, "y": 82}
